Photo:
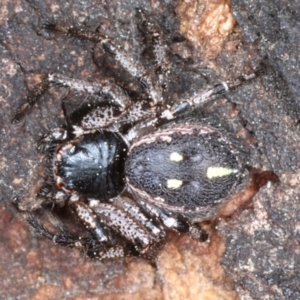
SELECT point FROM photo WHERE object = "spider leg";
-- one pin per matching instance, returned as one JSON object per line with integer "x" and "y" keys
{"x": 146, "y": 80}
{"x": 134, "y": 211}
{"x": 31, "y": 99}
{"x": 173, "y": 221}
{"x": 107, "y": 92}
{"x": 88, "y": 245}
{"x": 119, "y": 109}
{"x": 154, "y": 119}
{"x": 141, "y": 116}
{"x": 169, "y": 220}
{"x": 142, "y": 237}
{"x": 92, "y": 245}
{"x": 46, "y": 195}
{"x": 54, "y": 136}
{"x": 203, "y": 97}
{"x": 155, "y": 41}
{"x": 87, "y": 216}
{"x": 110, "y": 119}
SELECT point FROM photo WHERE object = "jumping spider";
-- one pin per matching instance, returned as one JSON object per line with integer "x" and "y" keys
{"x": 131, "y": 170}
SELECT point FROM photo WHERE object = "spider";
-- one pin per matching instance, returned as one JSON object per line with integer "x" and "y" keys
{"x": 131, "y": 170}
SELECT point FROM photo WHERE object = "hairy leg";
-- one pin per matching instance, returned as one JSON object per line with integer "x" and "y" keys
{"x": 201, "y": 98}
{"x": 146, "y": 79}
{"x": 125, "y": 219}
{"x": 107, "y": 92}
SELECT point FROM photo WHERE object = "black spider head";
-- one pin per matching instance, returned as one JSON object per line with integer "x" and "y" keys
{"x": 92, "y": 165}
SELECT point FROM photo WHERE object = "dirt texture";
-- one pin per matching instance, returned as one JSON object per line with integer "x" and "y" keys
{"x": 262, "y": 254}
{"x": 254, "y": 254}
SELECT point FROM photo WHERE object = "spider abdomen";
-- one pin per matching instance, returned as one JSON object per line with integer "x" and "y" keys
{"x": 185, "y": 167}
{"x": 92, "y": 165}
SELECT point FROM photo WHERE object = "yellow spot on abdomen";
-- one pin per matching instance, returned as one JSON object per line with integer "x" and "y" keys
{"x": 175, "y": 156}
{"x": 174, "y": 183}
{"x": 215, "y": 172}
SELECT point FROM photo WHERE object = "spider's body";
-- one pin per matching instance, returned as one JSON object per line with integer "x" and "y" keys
{"x": 130, "y": 170}
{"x": 182, "y": 168}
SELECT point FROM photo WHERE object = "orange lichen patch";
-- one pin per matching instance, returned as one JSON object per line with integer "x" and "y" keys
{"x": 139, "y": 282}
{"x": 191, "y": 270}
{"x": 206, "y": 23}
{"x": 48, "y": 292}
